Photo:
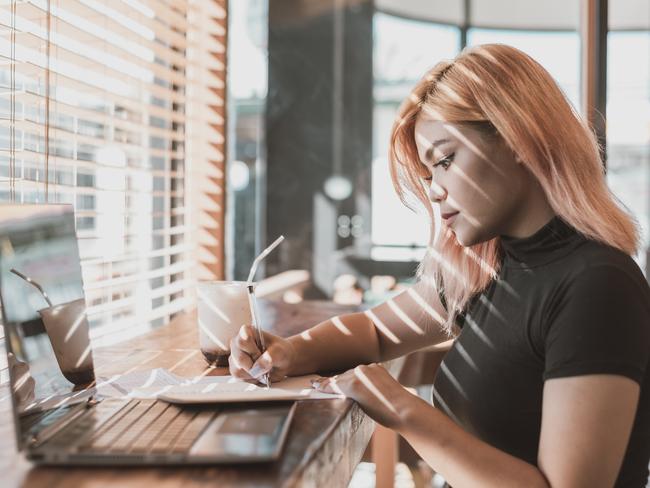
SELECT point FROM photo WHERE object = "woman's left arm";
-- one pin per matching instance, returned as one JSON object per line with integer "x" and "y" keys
{"x": 586, "y": 424}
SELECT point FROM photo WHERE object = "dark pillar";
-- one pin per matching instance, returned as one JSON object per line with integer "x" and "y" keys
{"x": 308, "y": 70}
{"x": 594, "y": 67}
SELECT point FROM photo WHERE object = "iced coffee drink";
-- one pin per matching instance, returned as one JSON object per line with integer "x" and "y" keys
{"x": 223, "y": 308}
{"x": 67, "y": 327}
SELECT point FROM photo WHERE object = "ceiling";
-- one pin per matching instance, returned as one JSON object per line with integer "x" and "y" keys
{"x": 518, "y": 14}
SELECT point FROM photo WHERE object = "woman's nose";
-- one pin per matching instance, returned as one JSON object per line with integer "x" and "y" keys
{"x": 436, "y": 192}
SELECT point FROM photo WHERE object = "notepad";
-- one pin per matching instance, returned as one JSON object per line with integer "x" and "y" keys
{"x": 226, "y": 389}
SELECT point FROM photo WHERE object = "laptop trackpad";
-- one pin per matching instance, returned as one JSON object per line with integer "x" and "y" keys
{"x": 248, "y": 435}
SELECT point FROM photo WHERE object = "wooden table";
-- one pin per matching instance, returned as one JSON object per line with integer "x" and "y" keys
{"x": 324, "y": 445}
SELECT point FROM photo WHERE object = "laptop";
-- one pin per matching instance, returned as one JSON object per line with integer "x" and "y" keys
{"x": 60, "y": 420}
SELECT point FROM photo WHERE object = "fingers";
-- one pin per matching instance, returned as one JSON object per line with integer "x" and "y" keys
{"x": 243, "y": 351}
{"x": 237, "y": 371}
{"x": 248, "y": 363}
{"x": 262, "y": 366}
{"x": 328, "y": 384}
{"x": 245, "y": 341}
{"x": 240, "y": 361}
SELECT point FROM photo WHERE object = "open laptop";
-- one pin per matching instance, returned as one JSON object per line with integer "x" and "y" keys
{"x": 58, "y": 422}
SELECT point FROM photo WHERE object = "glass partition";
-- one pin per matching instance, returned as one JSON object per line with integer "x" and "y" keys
{"x": 247, "y": 82}
{"x": 398, "y": 63}
{"x": 628, "y": 127}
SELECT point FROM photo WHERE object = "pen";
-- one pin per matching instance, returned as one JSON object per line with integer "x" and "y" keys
{"x": 259, "y": 339}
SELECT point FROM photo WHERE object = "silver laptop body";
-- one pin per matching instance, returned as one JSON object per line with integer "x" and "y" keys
{"x": 58, "y": 422}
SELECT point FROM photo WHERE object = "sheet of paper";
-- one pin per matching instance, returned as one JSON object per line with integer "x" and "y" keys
{"x": 222, "y": 389}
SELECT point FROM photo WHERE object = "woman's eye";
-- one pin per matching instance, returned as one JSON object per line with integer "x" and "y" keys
{"x": 446, "y": 161}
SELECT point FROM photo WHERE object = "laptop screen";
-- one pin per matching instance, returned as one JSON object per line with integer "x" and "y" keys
{"x": 46, "y": 331}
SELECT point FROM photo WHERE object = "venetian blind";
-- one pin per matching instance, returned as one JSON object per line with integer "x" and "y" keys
{"x": 93, "y": 113}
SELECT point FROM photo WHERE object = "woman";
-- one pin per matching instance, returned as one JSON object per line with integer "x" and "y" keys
{"x": 547, "y": 381}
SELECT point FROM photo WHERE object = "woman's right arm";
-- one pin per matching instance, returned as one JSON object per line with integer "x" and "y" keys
{"x": 408, "y": 322}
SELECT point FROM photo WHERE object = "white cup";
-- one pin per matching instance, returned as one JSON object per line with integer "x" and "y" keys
{"x": 223, "y": 307}
{"x": 67, "y": 327}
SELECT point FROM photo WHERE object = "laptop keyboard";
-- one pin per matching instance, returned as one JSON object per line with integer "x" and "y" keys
{"x": 138, "y": 427}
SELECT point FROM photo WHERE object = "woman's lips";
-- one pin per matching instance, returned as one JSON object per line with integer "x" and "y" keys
{"x": 449, "y": 217}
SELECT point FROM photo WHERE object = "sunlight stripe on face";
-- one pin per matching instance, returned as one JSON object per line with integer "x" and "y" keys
{"x": 454, "y": 168}
{"x": 381, "y": 326}
{"x": 463, "y": 138}
{"x": 404, "y": 318}
{"x": 424, "y": 305}
{"x": 472, "y": 220}
{"x": 338, "y": 323}
{"x": 474, "y": 148}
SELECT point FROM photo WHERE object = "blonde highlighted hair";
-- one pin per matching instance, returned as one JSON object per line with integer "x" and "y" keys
{"x": 505, "y": 92}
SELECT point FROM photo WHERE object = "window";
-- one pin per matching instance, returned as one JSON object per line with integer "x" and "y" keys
{"x": 399, "y": 62}
{"x": 628, "y": 127}
{"x": 93, "y": 109}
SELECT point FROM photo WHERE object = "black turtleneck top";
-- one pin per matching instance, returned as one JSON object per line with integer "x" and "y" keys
{"x": 562, "y": 305}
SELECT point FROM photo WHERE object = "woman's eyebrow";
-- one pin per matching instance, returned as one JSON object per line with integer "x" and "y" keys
{"x": 428, "y": 155}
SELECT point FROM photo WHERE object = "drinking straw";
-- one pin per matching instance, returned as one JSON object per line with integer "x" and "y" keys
{"x": 261, "y": 256}
{"x": 34, "y": 284}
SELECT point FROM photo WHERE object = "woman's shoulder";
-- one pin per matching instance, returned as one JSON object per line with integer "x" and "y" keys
{"x": 597, "y": 271}
{"x": 595, "y": 259}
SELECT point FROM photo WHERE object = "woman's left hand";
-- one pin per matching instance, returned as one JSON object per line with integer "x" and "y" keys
{"x": 381, "y": 396}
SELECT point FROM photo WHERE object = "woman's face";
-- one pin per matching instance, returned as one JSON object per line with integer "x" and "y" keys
{"x": 475, "y": 177}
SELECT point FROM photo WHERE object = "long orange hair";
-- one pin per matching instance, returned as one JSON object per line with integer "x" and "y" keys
{"x": 498, "y": 86}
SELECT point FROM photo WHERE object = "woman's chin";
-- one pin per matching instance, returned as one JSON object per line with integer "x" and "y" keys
{"x": 465, "y": 238}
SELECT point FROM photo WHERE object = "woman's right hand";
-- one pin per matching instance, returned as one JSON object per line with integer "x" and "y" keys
{"x": 247, "y": 363}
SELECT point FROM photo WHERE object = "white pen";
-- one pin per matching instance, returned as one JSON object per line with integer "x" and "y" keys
{"x": 258, "y": 329}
